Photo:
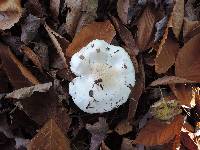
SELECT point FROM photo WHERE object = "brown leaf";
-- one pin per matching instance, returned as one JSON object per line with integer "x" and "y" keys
{"x": 123, "y": 127}
{"x": 136, "y": 91}
{"x": 145, "y": 28}
{"x": 158, "y": 133}
{"x": 47, "y": 107}
{"x": 126, "y": 36}
{"x": 177, "y": 17}
{"x": 96, "y": 30}
{"x": 184, "y": 94}
{"x": 28, "y": 91}
{"x": 30, "y": 28}
{"x": 10, "y": 13}
{"x": 88, "y": 13}
{"x": 18, "y": 75}
{"x": 189, "y": 27}
{"x": 98, "y": 131}
{"x": 127, "y": 144}
{"x": 32, "y": 56}
{"x": 122, "y": 9}
{"x": 188, "y": 142}
{"x": 170, "y": 80}
{"x": 54, "y": 8}
{"x": 50, "y": 137}
{"x": 55, "y": 39}
{"x": 167, "y": 56}
{"x": 187, "y": 64}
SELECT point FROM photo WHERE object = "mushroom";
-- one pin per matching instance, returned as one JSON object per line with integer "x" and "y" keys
{"x": 105, "y": 76}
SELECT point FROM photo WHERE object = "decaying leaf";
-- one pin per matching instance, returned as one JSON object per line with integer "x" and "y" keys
{"x": 160, "y": 26}
{"x": 122, "y": 9}
{"x": 96, "y": 30}
{"x": 28, "y": 91}
{"x": 136, "y": 91}
{"x": 55, "y": 37}
{"x": 188, "y": 27}
{"x": 127, "y": 144}
{"x": 170, "y": 80}
{"x": 158, "y": 133}
{"x": 10, "y": 13}
{"x": 145, "y": 28}
{"x": 18, "y": 75}
{"x": 98, "y": 131}
{"x": 123, "y": 127}
{"x": 54, "y": 7}
{"x": 50, "y": 137}
{"x": 126, "y": 36}
{"x": 30, "y": 28}
{"x": 47, "y": 106}
{"x": 167, "y": 55}
{"x": 177, "y": 17}
{"x": 187, "y": 63}
{"x": 184, "y": 94}
{"x": 32, "y": 56}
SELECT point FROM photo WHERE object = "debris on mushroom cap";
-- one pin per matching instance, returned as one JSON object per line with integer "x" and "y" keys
{"x": 105, "y": 77}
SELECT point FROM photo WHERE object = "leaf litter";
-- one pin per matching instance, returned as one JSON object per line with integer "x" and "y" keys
{"x": 37, "y": 41}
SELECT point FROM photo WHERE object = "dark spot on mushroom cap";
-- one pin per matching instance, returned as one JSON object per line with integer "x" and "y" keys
{"x": 116, "y": 51}
{"x": 107, "y": 48}
{"x": 98, "y": 50}
{"x": 91, "y": 93}
{"x": 92, "y": 45}
{"x": 125, "y": 66}
{"x": 81, "y": 57}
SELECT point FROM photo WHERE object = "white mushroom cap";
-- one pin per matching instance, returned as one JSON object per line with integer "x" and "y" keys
{"x": 105, "y": 77}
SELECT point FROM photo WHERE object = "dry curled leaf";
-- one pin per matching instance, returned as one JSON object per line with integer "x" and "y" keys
{"x": 167, "y": 55}
{"x": 187, "y": 63}
{"x": 50, "y": 137}
{"x": 28, "y": 91}
{"x": 10, "y": 13}
{"x": 18, "y": 75}
{"x": 170, "y": 80}
{"x": 177, "y": 17}
{"x": 123, "y": 127}
{"x": 32, "y": 56}
{"x": 145, "y": 28}
{"x": 54, "y": 8}
{"x": 122, "y": 9}
{"x": 96, "y": 30}
{"x": 158, "y": 133}
{"x": 98, "y": 131}
{"x": 184, "y": 93}
{"x": 55, "y": 37}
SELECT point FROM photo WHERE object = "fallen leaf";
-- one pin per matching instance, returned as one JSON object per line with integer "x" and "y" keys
{"x": 160, "y": 27}
{"x": 10, "y": 13}
{"x": 177, "y": 17}
{"x": 126, "y": 36}
{"x": 41, "y": 49}
{"x": 123, "y": 127}
{"x": 137, "y": 91}
{"x": 187, "y": 141}
{"x": 192, "y": 10}
{"x": 50, "y": 137}
{"x": 88, "y": 14}
{"x": 184, "y": 93}
{"x": 98, "y": 131}
{"x": 30, "y": 28}
{"x": 122, "y": 9}
{"x": 158, "y": 133}
{"x": 32, "y": 56}
{"x": 18, "y": 75}
{"x": 47, "y": 106}
{"x": 28, "y": 91}
{"x": 73, "y": 15}
{"x": 127, "y": 144}
{"x": 96, "y": 30}
{"x": 104, "y": 147}
{"x": 188, "y": 27}
{"x": 187, "y": 62}
{"x": 170, "y": 80}
{"x": 54, "y": 8}
{"x": 167, "y": 56}
{"x": 145, "y": 28}
{"x": 55, "y": 39}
